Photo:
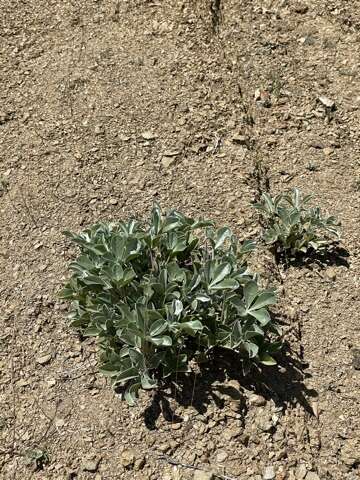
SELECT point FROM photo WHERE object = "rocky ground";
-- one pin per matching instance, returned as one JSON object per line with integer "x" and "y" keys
{"x": 106, "y": 106}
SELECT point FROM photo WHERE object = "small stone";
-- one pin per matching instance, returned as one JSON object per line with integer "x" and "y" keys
{"x": 176, "y": 426}
{"x": 350, "y": 453}
{"x": 127, "y": 458}
{"x": 59, "y": 422}
{"x": 301, "y": 8}
{"x": 168, "y": 161}
{"x": 257, "y": 95}
{"x": 149, "y": 135}
{"x": 356, "y": 358}
{"x": 257, "y": 400}
{"x": 99, "y": 130}
{"x": 327, "y": 102}
{"x": 331, "y": 274}
{"x": 114, "y": 201}
{"x": 301, "y": 472}
{"x": 91, "y": 464}
{"x": 201, "y": 475}
{"x": 123, "y": 138}
{"x": 328, "y": 151}
{"x": 139, "y": 463}
{"x": 23, "y": 383}
{"x": 241, "y": 140}
{"x": 164, "y": 447}
{"x": 229, "y": 434}
{"x": 312, "y": 476}
{"x": 221, "y": 456}
{"x": 269, "y": 473}
{"x": 171, "y": 153}
{"x": 317, "y": 144}
{"x": 43, "y": 360}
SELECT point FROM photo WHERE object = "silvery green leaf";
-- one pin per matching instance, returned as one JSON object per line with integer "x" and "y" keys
{"x": 221, "y": 235}
{"x": 267, "y": 359}
{"x": 220, "y": 273}
{"x": 250, "y": 293}
{"x": 158, "y": 327}
{"x": 131, "y": 393}
{"x": 262, "y": 315}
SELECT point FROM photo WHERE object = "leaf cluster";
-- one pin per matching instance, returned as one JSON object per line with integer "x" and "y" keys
{"x": 160, "y": 294}
{"x": 294, "y": 227}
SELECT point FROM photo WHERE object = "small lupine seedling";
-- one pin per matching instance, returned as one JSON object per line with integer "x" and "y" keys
{"x": 162, "y": 294}
{"x": 37, "y": 458}
{"x": 293, "y": 227}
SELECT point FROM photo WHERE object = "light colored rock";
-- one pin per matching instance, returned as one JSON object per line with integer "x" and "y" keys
{"x": 44, "y": 359}
{"x": 127, "y": 457}
{"x": 301, "y": 472}
{"x": 91, "y": 464}
{"x": 257, "y": 400}
{"x": 328, "y": 151}
{"x": 201, "y": 475}
{"x": 327, "y": 102}
{"x": 330, "y": 273}
{"x": 269, "y": 473}
{"x": 149, "y": 135}
{"x": 312, "y": 476}
{"x": 168, "y": 161}
{"x": 221, "y": 456}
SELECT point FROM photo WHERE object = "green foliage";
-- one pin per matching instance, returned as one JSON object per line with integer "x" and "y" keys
{"x": 158, "y": 295}
{"x": 293, "y": 227}
{"x": 37, "y": 457}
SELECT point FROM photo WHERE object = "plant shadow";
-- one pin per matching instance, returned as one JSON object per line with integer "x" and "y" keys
{"x": 283, "y": 383}
{"x": 334, "y": 256}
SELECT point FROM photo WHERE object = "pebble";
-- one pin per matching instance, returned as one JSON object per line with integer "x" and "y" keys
{"x": 257, "y": 400}
{"x": 312, "y": 476}
{"x": 356, "y": 358}
{"x": 99, "y": 130}
{"x": 164, "y": 447}
{"x": 327, "y": 102}
{"x": 241, "y": 139}
{"x": 127, "y": 458}
{"x": 221, "y": 456}
{"x": 123, "y": 138}
{"x": 43, "y": 360}
{"x": 301, "y": 472}
{"x": 91, "y": 464}
{"x": 201, "y": 475}
{"x": 149, "y": 135}
{"x": 269, "y": 473}
{"x": 229, "y": 434}
{"x": 331, "y": 273}
{"x": 328, "y": 151}
{"x": 301, "y": 8}
{"x": 176, "y": 426}
{"x": 168, "y": 161}
{"x": 171, "y": 153}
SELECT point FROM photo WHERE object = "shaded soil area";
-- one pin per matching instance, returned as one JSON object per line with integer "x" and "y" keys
{"x": 106, "y": 106}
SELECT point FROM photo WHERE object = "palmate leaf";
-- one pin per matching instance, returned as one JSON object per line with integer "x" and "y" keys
{"x": 159, "y": 295}
{"x": 292, "y": 226}
{"x": 220, "y": 273}
{"x": 221, "y": 235}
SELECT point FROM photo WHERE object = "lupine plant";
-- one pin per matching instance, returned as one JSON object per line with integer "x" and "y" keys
{"x": 293, "y": 227}
{"x": 160, "y": 294}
